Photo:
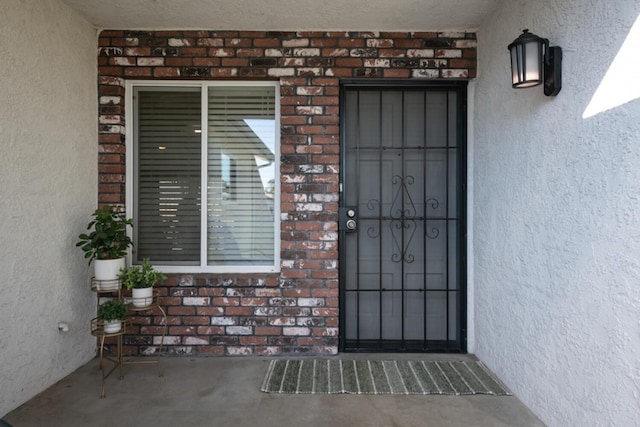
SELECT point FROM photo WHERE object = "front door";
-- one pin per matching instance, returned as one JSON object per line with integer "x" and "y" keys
{"x": 402, "y": 228}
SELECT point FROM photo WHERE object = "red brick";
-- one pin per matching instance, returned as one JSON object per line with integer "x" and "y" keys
{"x": 206, "y": 62}
{"x": 181, "y": 311}
{"x": 351, "y": 43}
{"x": 178, "y": 62}
{"x": 238, "y": 311}
{"x": 166, "y": 72}
{"x": 267, "y": 330}
{"x": 211, "y": 350}
{"x": 310, "y": 123}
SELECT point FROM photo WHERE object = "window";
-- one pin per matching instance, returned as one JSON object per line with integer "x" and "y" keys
{"x": 186, "y": 137}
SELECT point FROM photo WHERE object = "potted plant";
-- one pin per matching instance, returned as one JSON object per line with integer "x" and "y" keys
{"x": 112, "y": 313}
{"x": 107, "y": 242}
{"x": 140, "y": 280}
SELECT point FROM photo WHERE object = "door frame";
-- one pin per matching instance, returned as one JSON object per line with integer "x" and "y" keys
{"x": 460, "y": 86}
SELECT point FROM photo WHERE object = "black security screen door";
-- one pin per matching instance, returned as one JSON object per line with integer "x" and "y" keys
{"x": 402, "y": 228}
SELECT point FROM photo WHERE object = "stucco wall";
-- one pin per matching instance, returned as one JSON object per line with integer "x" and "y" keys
{"x": 48, "y": 173}
{"x": 557, "y": 219}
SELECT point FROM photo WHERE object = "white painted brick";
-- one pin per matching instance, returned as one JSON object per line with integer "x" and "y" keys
{"x": 432, "y": 74}
{"x": 453, "y": 34}
{"x": 309, "y": 110}
{"x": 311, "y": 168}
{"x": 282, "y": 321}
{"x": 310, "y": 302}
{"x": 223, "y": 321}
{"x": 105, "y": 100}
{"x": 150, "y": 62}
{"x": 182, "y": 350}
{"x": 293, "y": 62}
{"x": 109, "y": 120}
{"x": 306, "y": 52}
{"x": 239, "y": 330}
{"x": 455, "y": 74}
{"x": 287, "y": 264}
{"x": 329, "y": 236}
{"x": 273, "y": 52}
{"x": 112, "y": 129}
{"x": 179, "y": 42}
{"x": 123, "y": 61}
{"x": 270, "y": 351}
{"x": 339, "y": 52}
{"x": 326, "y": 197}
{"x": 219, "y": 52}
{"x": 200, "y": 301}
{"x": 420, "y": 53}
{"x": 295, "y": 43}
{"x": 433, "y": 63}
{"x": 379, "y": 63}
{"x": 186, "y": 281}
{"x": 110, "y": 80}
{"x": 149, "y": 351}
{"x": 466, "y": 43}
{"x": 267, "y": 311}
{"x": 309, "y": 207}
{"x": 170, "y": 340}
{"x": 239, "y": 351}
{"x": 296, "y": 331}
{"x": 293, "y": 179}
{"x": 281, "y": 72}
{"x": 309, "y": 90}
{"x": 196, "y": 341}
{"x": 331, "y": 332}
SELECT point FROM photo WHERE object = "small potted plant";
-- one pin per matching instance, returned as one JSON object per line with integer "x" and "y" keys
{"x": 112, "y": 313}
{"x": 107, "y": 243}
{"x": 140, "y": 280}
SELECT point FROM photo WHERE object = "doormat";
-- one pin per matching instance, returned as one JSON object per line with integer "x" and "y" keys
{"x": 322, "y": 376}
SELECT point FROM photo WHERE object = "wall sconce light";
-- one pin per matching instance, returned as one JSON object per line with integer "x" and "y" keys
{"x": 534, "y": 62}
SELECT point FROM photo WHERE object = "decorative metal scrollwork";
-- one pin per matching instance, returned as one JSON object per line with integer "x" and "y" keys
{"x": 434, "y": 232}
{"x": 404, "y": 208}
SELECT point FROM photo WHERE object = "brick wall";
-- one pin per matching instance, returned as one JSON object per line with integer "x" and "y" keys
{"x": 296, "y": 310}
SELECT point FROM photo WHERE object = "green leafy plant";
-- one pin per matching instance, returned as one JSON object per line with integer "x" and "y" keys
{"x": 108, "y": 237}
{"x": 112, "y": 310}
{"x": 144, "y": 276}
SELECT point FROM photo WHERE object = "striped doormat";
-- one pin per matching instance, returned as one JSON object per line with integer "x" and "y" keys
{"x": 323, "y": 376}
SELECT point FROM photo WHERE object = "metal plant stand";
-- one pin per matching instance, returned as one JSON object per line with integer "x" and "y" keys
{"x": 112, "y": 289}
{"x": 155, "y": 305}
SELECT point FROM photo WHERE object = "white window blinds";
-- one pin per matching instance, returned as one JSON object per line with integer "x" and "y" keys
{"x": 167, "y": 218}
{"x": 239, "y": 145}
{"x": 240, "y": 219}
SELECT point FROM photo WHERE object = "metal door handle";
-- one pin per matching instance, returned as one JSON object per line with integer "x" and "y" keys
{"x": 351, "y": 224}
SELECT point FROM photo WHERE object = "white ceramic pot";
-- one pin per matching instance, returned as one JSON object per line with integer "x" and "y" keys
{"x": 142, "y": 297}
{"x": 108, "y": 269}
{"x": 111, "y": 327}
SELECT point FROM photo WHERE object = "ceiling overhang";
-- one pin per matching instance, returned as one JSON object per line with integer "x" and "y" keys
{"x": 286, "y": 15}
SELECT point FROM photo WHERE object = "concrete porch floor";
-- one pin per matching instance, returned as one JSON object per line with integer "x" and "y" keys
{"x": 226, "y": 392}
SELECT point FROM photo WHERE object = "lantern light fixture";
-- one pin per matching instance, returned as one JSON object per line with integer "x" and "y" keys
{"x": 534, "y": 62}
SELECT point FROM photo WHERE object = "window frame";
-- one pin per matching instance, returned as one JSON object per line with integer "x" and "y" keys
{"x": 130, "y": 127}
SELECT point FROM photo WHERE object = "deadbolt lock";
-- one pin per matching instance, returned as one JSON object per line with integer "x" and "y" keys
{"x": 348, "y": 219}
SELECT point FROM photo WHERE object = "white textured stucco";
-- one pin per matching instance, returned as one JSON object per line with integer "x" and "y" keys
{"x": 556, "y": 219}
{"x": 48, "y": 175}
{"x": 286, "y": 15}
